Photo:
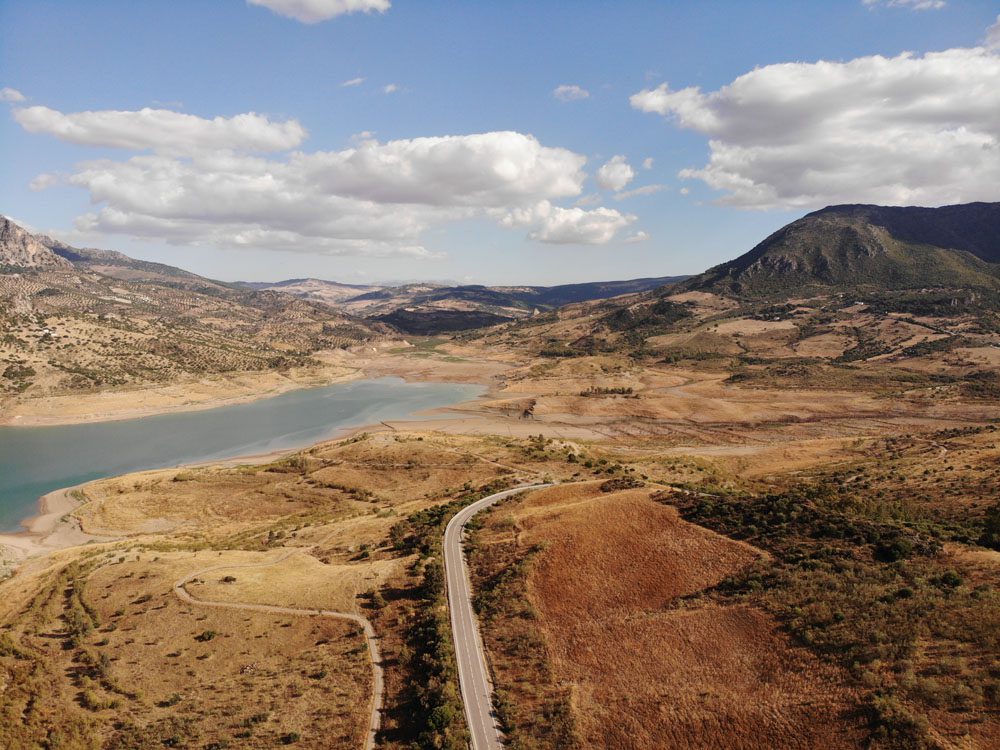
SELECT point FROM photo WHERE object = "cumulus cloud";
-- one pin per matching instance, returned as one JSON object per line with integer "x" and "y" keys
{"x": 647, "y": 163}
{"x": 10, "y": 95}
{"x": 390, "y": 88}
{"x": 570, "y": 226}
{"x": 909, "y": 129}
{"x": 487, "y": 169}
{"x": 353, "y": 82}
{"x": 908, "y": 4}
{"x": 615, "y": 174}
{"x": 314, "y": 11}
{"x": 163, "y": 130}
{"x": 210, "y": 182}
{"x": 570, "y": 93}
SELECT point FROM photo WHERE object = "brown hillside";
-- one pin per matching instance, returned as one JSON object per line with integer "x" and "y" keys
{"x": 647, "y": 671}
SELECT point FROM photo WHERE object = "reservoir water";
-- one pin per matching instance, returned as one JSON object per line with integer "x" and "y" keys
{"x": 37, "y": 460}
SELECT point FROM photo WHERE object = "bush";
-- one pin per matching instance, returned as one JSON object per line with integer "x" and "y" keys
{"x": 622, "y": 483}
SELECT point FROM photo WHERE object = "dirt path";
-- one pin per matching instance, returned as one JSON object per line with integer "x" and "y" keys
{"x": 378, "y": 688}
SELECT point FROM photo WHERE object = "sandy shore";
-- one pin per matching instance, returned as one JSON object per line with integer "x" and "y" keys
{"x": 52, "y": 529}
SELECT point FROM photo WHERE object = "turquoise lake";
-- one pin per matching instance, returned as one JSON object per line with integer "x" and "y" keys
{"x": 37, "y": 460}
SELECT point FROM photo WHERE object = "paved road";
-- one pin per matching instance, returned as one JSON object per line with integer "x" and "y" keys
{"x": 473, "y": 674}
{"x": 378, "y": 689}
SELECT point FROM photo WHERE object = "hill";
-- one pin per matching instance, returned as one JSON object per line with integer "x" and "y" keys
{"x": 429, "y": 308}
{"x": 874, "y": 247}
{"x": 319, "y": 290}
{"x": 77, "y": 320}
{"x": 843, "y": 285}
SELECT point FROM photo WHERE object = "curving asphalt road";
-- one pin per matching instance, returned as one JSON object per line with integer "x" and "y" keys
{"x": 378, "y": 689}
{"x": 473, "y": 674}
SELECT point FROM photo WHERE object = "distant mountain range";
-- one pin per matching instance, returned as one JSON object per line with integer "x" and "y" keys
{"x": 427, "y": 308}
{"x": 875, "y": 247}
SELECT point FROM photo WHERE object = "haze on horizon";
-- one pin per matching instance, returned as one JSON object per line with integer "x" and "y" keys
{"x": 511, "y": 143}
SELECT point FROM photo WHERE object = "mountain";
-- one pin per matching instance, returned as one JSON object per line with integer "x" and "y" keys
{"x": 117, "y": 265}
{"x": 425, "y": 308}
{"x": 319, "y": 290}
{"x": 20, "y": 249}
{"x": 82, "y": 319}
{"x": 864, "y": 246}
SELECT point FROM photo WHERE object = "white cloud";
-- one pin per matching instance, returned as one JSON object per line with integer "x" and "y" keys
{"x": 390, "y": 88}
{"x": 43, "y": 181}
{"x": 570, "y": 226}
{"x": 903, "y": 130}
{"x": 639, "y": 236}
{"x": 639, "y": 191}
{"x": 495, "y": 169}
{"x": 10, "y": 95}
{"x": 908, "y": 4}
{"x": 208, "y": 182}
{"x": 570, "y": 93}
{"x": 615, "y": 174}
{"x": 163, "y": 130}
{"x": 647, "y": 163}
{"x": 993, "y": 35}
{"x": 353, "y": 82}
{"x": 314, "y": 11}
{"x": 374, "y": 198}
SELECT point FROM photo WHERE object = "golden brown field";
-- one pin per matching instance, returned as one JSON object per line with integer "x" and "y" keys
{"x": 642, "y": 663}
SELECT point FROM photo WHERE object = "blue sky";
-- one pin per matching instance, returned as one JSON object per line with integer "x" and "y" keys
{"x": 399, "y": 184}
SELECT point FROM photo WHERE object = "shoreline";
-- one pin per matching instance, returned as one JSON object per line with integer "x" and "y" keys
{"x": 53, "y": 528}
{"x": 241, "y": 388}
{"x": 50, "y": 530}
{"x": 125, "y": 415}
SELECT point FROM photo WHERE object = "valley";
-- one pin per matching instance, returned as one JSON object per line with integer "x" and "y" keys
{"x": 773, "y": 519}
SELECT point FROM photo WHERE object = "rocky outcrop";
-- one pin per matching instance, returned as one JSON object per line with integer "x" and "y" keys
{"x": 20, "y": 249}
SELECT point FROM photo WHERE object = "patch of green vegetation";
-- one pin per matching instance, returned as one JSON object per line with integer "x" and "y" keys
{"x": 420, "y": 346}
{"x": 871, "y": 595}
{"x": 636, "y": 323}
{"x": 983, "y": 384}
{"x": 619, "y": 484}
{"x": 596, "y": 390}
{"x": 934, "y": 303}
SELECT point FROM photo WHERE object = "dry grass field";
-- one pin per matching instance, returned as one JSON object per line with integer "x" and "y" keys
{"x": 100, "y": 653}
{"x": 639, "y": 663}
{"x": 97, "y": 651}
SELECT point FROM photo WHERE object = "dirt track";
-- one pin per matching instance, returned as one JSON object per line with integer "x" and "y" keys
{"x": 378, "y": 688}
